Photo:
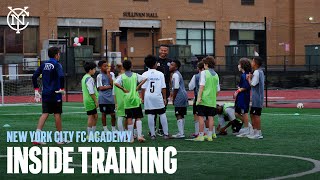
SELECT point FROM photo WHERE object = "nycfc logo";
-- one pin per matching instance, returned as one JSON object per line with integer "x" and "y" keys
{"x": 16, "y": 19}
{"x": 48, "y": 66}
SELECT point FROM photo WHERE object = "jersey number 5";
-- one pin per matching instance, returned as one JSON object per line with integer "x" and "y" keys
{"x": 152, "y": 87}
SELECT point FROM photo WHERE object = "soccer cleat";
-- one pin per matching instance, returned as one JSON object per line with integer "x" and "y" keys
{"x": 153, "y": 137}
{"x": 199, "y": 138}
{"x": 257, "y": 136}
{"x": 194, "y": 135}
{"x": 141, "y": 139}
{"x": 166, "y": 137}
{"x": 209, "y": 139}
{"x": 178, "y": 136}
{"x": 214, "y": 136}
{"x": 160, "y": 132}
{"x": 38, "y": 143}
{"x": 205, "y": 137}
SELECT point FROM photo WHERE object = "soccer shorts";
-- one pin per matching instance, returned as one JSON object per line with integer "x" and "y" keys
{"x": 52, "y": 107}
{"x": 107, "y": 108}
{"x": 236, "y": 126}
{"x": 241, "y": 111}
{"x": 256, "y": 111}
{"x": 206, "y": 111}
{"x": 92, "y": 112}
{"x": 155, "y": 111}
{"x": 182, "y": 111}
{"x": 134, "y": 113}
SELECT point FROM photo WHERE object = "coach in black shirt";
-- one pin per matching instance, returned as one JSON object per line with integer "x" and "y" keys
{"x": 163, "y": 66}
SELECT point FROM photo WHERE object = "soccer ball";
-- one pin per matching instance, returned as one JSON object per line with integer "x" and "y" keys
{"x": 299, "y": 105}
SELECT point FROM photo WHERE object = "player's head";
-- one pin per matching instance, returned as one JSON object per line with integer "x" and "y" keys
{"x": 163, "y": 51}
{"x": 103, "y": 65}
{"x": 219, "y": 109}
{"x": 127, "y": 65}
{"x": 54, "y": 52}
{"x": 119, "y": 67}
{"x": 174, "y": 65}
{"x": 90, "y": 68}
{"x": 200, "y": 66}
{"x": 244, "y": 65}
{"x": 209, "y": 62}
{"x": 256, "y": 62}
{"x": 151, "y": 62}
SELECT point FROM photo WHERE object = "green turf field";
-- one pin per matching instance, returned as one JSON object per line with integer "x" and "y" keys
{"x": 284, "y": 134}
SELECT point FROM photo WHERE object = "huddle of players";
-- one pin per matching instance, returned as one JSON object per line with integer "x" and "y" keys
{"x": 124, "y": 97}
{"x": 121, "y": 94}
{"x": 237, "y": 113}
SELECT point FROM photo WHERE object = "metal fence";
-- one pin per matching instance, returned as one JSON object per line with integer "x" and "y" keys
{"x": 280, "y": 75}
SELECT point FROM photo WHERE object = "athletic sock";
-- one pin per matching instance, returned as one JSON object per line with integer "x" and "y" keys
{"x": 120, "y": 123}
{"x": 139, "y": 128}
{"x": 114, "y": 128}
{"x": 89, "y": 129}
{"x": 164, "y": 123}
{"x": 130, "y": 128}
{"x": 196, "y": 127}
{"x": 206, "y": 130}
{"x": 151, "y": 124}
{"x": 105, "y": 128}
{"x": 180, "y": 126}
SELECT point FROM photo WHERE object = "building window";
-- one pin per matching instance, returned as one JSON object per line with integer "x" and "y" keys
{"x": 1, "y": 40}
{"x": 92, "y": 36}
{"x": 195, "y": 1}
{"x": 201, "y": 40}
{"x": 30, "y": 40}
{"x": 247, "y": 2}
{"x": 25, "y": 42}
{"x": 13, "y": 41}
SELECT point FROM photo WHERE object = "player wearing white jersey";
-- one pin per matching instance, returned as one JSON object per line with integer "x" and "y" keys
{"x": 153, "y": 96}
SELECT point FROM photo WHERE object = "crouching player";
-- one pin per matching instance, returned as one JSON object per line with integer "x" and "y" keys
{"x": 226, "y": 112}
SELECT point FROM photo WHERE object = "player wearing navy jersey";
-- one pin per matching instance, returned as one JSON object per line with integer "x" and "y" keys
{"x": 52, "y": 89}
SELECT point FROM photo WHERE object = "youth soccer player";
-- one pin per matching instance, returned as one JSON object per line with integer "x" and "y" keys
{"x": 119, "y": 101}
{"x": 127, "y": 82}
{"x": 194, "y": 86}
{"x": 179, "y": 97}
{"x": 106, "y": 100}
{"x": 209, "y": 88}
{"x": 154, "y": 96}
{"x": 90, "y": 96}
{"x": 52, "y": 89}
{"x": 242, "y": 96}
{"x": 226, "y": 112}
{"x": 257, "y": 83}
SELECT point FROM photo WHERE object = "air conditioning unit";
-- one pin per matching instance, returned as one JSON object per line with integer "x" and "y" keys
{"x": 114, "y": 57}
{"x": 30, "y": 64}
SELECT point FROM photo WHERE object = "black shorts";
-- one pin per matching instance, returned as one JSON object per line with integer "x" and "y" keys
{"x": 92, "y": 112}
{"x": 194, "y": 108}
{"x": 182, "y": 111}
{"x": 107, "y": 108}
{"x": 241, "y": 111}
{"x": 255, "y": 111}
{"x": 52, "y": 107}
{"x": 134, "y": 113}
{"x": 206, "y": 111}
{"x": 155, "y": 111}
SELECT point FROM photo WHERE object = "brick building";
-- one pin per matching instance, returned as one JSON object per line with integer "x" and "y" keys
{"x": 207, "y": 25}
